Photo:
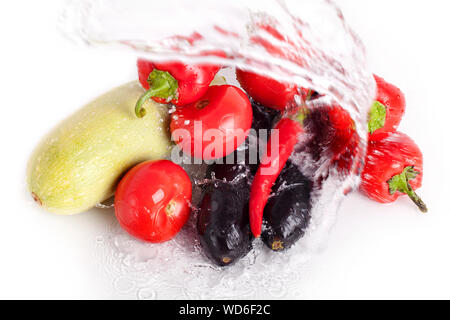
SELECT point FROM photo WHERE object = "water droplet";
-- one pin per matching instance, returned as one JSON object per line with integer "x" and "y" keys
{"x": 146, "y": 294}
{"x": 124, "y": 285}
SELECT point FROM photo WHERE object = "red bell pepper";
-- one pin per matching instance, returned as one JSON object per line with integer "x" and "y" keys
{"x": 271, "y": 165}
{"x": 394, "y": 166}
{"x": 174, "y": 82}
{"x": 265, "y": 90}
{"x": 387, "y": 111}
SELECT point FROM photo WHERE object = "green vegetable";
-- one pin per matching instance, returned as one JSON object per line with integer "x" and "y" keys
{"x": 80, "y": 162}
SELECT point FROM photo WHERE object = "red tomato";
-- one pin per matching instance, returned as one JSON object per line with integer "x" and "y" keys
{"x": 214, "y": 126}
{"x": 152, "y": 200}
{"x": 267, "y": 91}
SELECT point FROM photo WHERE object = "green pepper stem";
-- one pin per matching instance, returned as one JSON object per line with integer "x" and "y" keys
{"x": 139, "y": 109}
{"x": 416, "y": 199}
{"x": 400, "y": 183}
{"x": 377, "y": 117}
{"x": 162, "y": 85}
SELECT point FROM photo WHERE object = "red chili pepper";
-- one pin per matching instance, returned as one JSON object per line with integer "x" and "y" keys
{"x": 174, "y": 82}
{"x": 387, "y": 111}
{"x": 267, "y": 91}
{"x": 394, "y": 166}
{"x": 271, "y": 165}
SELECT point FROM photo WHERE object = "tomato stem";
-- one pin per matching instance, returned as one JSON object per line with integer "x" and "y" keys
{"x": 400, "y": 183}
{"x": 162, "y": 85}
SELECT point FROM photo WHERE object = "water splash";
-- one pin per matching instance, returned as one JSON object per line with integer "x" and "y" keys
{"x": 306, "y": 42}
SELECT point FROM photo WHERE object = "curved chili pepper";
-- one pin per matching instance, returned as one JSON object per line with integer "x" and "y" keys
{"x": 394, "y": 166}
{"x": 277, "y": 154}
{"x": 174, "y": 82}
{"x": 387, "y": 110}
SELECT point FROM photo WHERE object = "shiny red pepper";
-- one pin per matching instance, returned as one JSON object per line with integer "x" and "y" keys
{"x": 267, "y": 91}
{"x": 387, "y": 110}
{"x": 344, "y": 141}
{"x": 174, "y": 82}
{"x": 278, "y": 152}
{"x": 394, "y": 166}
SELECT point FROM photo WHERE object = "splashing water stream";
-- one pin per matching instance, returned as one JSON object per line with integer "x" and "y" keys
{"x": 306, "y": 42}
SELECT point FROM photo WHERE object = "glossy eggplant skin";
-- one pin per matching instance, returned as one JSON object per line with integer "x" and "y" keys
{"x": 223, "y": 219}
{"x": 263, "y": 118}
{"x": 288, "y": 212}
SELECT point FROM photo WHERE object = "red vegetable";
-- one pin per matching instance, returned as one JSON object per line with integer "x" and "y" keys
{"x": 271, "y": 165}
{"x": 214, "y": 126}
{"x": 344, "y": 140}
{"x": 394, "y": 166}
{"x": 267, "y": 91}
{"x": 152, "y": 200}
{"x": 387, "y": 111}
{"x": 341, "y": 120}
{"x": 174, "y": 82}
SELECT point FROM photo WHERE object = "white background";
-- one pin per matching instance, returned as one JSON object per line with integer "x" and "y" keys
{"x": 374, "y": 251}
